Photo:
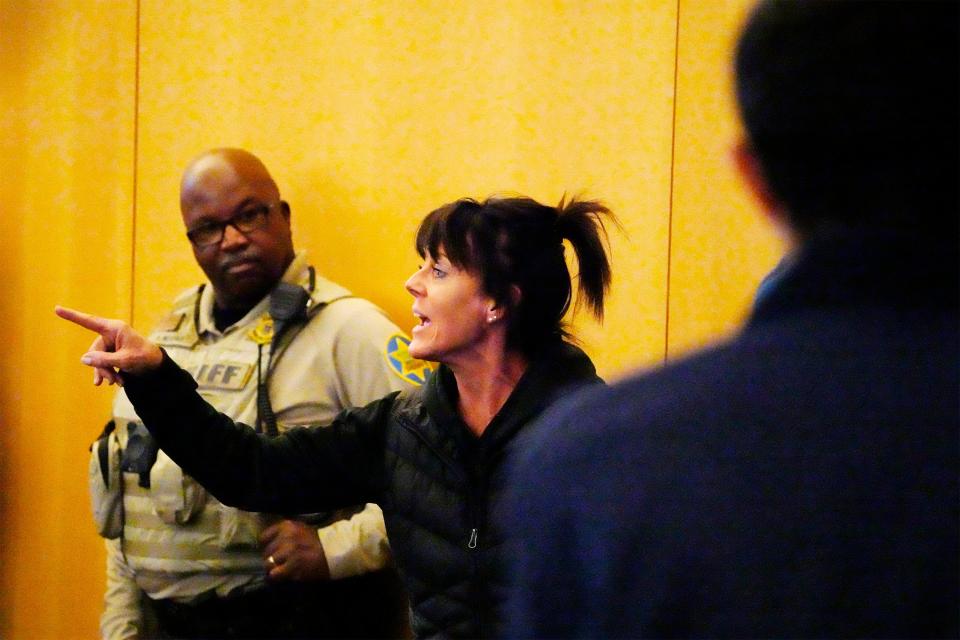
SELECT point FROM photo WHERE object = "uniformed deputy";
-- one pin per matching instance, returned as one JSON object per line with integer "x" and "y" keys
{"x": 271, "y": 344}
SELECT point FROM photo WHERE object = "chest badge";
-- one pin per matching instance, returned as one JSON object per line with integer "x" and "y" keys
{"x": 263, "y": 332}
{"x": 405, "y": 365}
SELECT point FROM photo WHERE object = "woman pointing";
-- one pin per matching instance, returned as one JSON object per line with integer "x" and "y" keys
{"x": 490, "y": 298}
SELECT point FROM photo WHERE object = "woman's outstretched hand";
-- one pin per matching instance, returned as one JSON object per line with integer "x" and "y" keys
{"x": 118, "y": 348}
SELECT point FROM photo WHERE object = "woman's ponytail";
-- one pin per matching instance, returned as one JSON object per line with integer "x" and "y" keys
{"x": 581, "y": 223}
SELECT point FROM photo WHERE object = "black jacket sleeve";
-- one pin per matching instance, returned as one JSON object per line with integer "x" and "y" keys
{"x": 301, "y": 471}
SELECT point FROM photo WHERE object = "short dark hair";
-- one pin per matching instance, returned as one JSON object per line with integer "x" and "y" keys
{"x": 518, "y": 242}
{"x": 852, "y": 110}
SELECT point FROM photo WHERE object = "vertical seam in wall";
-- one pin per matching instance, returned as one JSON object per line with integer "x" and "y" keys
{"x": 136, "y": 155}
{"x": 673, "y": 151}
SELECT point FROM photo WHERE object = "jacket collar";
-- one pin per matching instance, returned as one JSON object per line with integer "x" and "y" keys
{"x": 320, "y": 289}
{"x": 556, "y": 367}
{"x": 866, "y": 269}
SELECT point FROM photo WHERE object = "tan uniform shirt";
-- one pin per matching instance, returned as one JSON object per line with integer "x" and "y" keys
{"x": 179, "y": 542}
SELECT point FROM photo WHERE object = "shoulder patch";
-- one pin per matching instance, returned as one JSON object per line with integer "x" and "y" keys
{"x": 403, "y": 364}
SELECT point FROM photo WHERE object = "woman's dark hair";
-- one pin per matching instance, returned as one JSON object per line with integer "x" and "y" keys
{"x": 518, "y": 242}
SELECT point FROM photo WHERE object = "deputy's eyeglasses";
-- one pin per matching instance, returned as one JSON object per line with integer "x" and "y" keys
{"x": 245, "y": 221}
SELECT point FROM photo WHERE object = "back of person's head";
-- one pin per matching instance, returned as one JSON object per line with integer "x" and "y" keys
{"x": 515, "y": 246}
{"x": 852, "y": 109}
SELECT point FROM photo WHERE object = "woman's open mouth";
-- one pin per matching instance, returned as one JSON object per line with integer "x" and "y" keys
{"x": 424, "y": 321}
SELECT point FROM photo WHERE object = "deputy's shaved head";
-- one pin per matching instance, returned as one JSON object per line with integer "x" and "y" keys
{"x": 224, "y": 165}
{"x": 243, "y": 266}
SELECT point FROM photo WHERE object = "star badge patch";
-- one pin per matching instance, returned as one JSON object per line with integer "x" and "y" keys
{"x": 405, "y": 365}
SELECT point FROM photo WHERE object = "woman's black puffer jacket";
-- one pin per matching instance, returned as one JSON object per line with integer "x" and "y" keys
{"x": 441, "y": 488}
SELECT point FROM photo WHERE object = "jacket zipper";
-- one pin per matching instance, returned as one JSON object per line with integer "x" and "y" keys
{"x": 476, "y": 506}
{"x": 472, "y": 544}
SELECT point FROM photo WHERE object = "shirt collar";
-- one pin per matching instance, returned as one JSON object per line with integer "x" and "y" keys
{"x": 297, "y": 273}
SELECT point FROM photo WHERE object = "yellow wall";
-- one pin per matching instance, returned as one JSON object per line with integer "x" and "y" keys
{"x": 720, "y": 246}
{"x": 66, "y": 192}
{"x": 374, "y": 113}
{"x": 370, "y": 113}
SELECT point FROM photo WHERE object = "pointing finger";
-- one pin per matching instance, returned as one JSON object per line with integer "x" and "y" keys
{"x": 85, "y": 320}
